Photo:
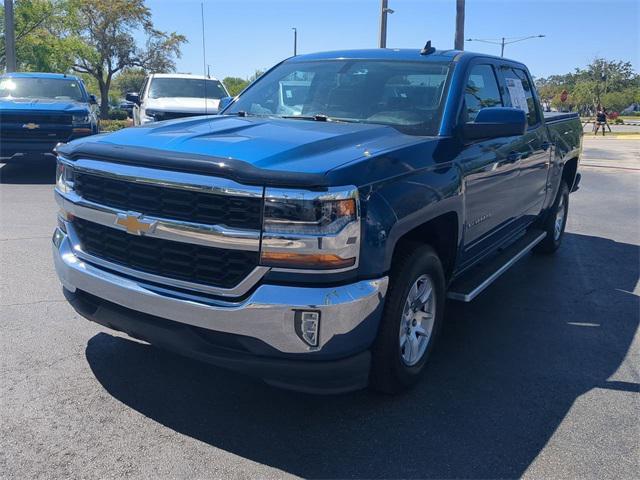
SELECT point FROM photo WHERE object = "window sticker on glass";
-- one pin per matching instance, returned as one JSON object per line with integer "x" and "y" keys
{"x": 516, "y": 92}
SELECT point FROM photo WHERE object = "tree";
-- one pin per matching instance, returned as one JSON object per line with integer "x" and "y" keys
{"x": 235, "y": 85}
{"x": 129, "y": 80}
{"x": 106, "y": 29}
{"x": 42, "y": 43}
{"x": 611, "y": 83}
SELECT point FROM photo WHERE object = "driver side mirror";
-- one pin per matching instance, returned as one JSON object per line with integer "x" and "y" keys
{"x": 496, "y": 122}
{"x": 224, "y": 103}
{"x": 92, "y": 100}
{"x": 133, "y": 97}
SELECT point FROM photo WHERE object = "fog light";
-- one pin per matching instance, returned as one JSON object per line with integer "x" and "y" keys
{"x": 307, "y": 325}
{"x": 58, "y": 236}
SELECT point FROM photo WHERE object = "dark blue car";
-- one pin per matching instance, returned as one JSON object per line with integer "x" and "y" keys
{"x": 40, "y": 110}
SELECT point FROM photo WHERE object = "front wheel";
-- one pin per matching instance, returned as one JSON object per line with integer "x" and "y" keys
{"x": 411, "y": 322}
{"x": 555, "y": 222}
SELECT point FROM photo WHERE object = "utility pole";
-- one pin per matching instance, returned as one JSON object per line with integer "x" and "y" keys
{"x": 384, "y": 10}
{"x": 9, "y": 36}
{"x": 295, "y": 41}
{"x": 459, "y": 40}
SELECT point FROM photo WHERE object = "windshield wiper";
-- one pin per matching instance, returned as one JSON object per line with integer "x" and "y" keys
{"x": 319, "y": 117}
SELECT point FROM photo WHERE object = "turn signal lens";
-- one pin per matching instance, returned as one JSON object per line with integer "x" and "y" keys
{"x": 303, "y": 260}
{"x": 64, "y": 177}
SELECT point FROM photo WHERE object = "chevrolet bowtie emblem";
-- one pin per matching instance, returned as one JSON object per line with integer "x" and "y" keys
{"x": 135, "y": 224}
{"x": 31, "y": 126}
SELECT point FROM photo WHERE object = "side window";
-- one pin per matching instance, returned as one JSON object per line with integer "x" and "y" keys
{"x": 520, "y": 93}
{"x": 481, "y": 91}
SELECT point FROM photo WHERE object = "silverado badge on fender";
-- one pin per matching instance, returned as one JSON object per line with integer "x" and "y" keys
{"x": 135, "y": 224}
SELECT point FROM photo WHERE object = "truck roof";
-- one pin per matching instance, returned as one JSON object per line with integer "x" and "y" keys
{"x": 407, "y": 54}
{"x": 39, "y": 75}
{"x": 181, "y": 75}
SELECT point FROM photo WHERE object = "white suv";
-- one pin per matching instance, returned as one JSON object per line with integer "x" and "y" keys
{"x": 165, "y": 96}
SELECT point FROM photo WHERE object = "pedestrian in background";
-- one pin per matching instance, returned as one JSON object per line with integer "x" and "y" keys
{"x": 601, "y": 119}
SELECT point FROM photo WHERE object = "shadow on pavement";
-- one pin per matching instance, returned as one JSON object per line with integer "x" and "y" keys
{"x": 29, "y": 171}
{"x": 508, "y": 368}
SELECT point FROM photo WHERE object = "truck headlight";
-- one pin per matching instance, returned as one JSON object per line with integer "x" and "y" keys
{"x": 64, "y": 177}
{"x": 310, "y": 230}
{"x": 81, "y": 119}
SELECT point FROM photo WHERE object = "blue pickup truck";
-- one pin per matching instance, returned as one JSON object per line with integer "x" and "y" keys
{"x": 40, "y": 110}
{"x": 311, "y": 234}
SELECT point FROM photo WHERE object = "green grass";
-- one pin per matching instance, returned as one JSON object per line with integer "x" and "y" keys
{"x": 113, "y": 125}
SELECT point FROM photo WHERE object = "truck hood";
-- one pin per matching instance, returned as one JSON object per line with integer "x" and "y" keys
{"x": 42, "y": 105}
{"x": 252, "y": 150}
{"x": 182, "y": 105}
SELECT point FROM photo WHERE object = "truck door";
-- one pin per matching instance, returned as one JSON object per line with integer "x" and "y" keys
{"x": 533, "y": 148}
{"x": 490, "y": 170}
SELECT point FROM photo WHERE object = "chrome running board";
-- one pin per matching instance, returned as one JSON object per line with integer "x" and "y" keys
{"x": 471, "y": 284}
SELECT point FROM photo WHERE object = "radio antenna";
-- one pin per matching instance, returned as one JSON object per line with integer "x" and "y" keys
{"x": 204, "y": 58}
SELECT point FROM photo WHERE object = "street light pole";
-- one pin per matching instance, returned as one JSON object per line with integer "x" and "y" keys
{"x": 9, "y": 36}
{"x": 459, "y": 40}
{"x": 295, "y": 41}
{"x": 384, "y": 10}
{"x": 503, "y": 41}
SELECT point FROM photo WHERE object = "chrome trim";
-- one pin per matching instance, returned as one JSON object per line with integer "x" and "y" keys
{"x": 164, "y": 178}
{"x": 467, "y": 297}
{"x": 218, "y": 236}
{"x": 267, "y": 314}
{"x": 240, "y": 289}
{"x": 331, "y": 193}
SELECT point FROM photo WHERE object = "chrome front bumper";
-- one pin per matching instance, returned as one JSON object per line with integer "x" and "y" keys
{"x": 267, "y": 314}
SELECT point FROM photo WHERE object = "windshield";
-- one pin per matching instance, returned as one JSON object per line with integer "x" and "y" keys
{"x": 58, "y": 89}
{"x": 406, "y": 95}
{"x": 186, "y": 87}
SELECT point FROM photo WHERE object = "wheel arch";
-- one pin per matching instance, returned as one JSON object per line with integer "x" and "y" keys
{"x": 441, "y": 233}
{"x": 570, "y": 171}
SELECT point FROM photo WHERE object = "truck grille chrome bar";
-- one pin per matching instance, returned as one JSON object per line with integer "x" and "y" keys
{"x": 219, "y": 236}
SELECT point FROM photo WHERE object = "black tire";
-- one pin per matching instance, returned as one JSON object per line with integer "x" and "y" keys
{"x": 552, "y": 241}
{"x": 389, "y": 373}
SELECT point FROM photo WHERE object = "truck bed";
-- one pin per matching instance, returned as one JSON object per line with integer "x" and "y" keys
{"x": 551, "y": 117}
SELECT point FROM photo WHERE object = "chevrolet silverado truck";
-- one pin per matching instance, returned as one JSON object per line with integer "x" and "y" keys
{"x": 40, "y": 110}
{"x": 312, "y": 238}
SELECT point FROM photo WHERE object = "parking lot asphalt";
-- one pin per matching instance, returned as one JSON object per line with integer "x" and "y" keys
{"x": 538, "y": 377}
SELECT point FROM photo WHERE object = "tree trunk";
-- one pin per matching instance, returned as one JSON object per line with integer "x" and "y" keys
{"x": 104, "y": 99}
{"x": 105, "y": 86}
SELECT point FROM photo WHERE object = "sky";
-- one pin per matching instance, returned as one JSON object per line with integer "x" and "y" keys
{"x": 245, "y": 35}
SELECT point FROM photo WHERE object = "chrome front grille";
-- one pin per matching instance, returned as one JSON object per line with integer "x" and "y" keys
{"x": 174, "y": 203}
{"x": 200, "y": 233}
{"x": 183, "y": 261}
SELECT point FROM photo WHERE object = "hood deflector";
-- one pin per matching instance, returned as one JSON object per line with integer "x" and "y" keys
{"x": 236, "y": 170}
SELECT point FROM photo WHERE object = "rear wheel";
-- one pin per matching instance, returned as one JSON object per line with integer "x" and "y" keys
{"x": 411, "y": 321}
{"x": 555, "y": 222}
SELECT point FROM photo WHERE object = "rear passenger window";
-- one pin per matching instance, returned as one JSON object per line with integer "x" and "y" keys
{"x": 481, "y": 91}
{"x": 520, "y": 93}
